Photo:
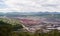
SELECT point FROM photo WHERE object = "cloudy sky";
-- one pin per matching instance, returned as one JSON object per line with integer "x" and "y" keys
{"x": 29, "y": 5}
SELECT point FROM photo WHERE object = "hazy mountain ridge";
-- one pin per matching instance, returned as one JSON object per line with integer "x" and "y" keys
{"x": 28, "y": 13}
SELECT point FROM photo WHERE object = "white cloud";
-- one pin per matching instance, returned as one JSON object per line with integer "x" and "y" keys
{"x": 31, "y": 5}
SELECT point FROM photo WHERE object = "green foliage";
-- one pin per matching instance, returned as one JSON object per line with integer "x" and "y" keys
{"x": 5, "y": 29}
{"x": 16, "y": 27}
{"x": 50, "y": 33}
{"x": 10, "y": 21}
{"x": 25, "y": 34}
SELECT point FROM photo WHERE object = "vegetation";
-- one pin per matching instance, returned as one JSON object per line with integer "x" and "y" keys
{"x": 51, "y": 33}
{"x": 7, "y": 29}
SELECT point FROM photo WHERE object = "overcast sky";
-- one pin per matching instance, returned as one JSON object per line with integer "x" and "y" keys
{"x": 30, "y": 5}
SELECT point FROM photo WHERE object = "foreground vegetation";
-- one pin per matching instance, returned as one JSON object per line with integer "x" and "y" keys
{"x": 7, "y": 29}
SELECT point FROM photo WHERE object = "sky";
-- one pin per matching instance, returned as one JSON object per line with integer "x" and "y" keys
{"x": 29, "y": 5}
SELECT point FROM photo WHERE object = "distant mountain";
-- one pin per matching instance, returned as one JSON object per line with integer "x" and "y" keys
{"x": 2, "y": 14}
{"x": 16, "y": 14}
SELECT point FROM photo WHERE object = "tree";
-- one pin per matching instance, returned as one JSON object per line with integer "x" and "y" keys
{"x": 16, "y": 27}
{"x": 5, "y": 29}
